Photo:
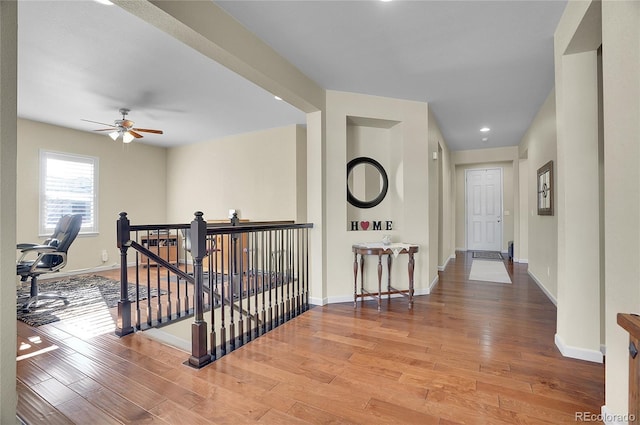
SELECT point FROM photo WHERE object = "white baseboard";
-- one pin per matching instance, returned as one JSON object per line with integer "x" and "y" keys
{"x": 97, "y": 269}
{"x": 521, "y": 260}
{"x": 578, "y": 352}
{"x": 446, "y": 263}
{"x": 434, "y": 282}
{"x": 546, "y": 292}
{"x": 611, "y": 418}
{"x": 319, "y": 301}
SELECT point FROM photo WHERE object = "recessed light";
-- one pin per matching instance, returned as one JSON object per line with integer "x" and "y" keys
{"x": 277, "y": 97}
{"x": 105, "y": 2}
{"x": 485, "y": 129}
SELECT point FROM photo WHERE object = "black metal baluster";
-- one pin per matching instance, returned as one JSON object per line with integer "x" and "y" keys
{"x": 148, "y": 285}
{"x": 255, "y": 268}
{"x": 263, "y": 285}
{"x": 296, "y": 272}
{"x": 223, "y": 296}
{"x": 237, "y": 252}
{"x": 169, "y": 242}
{"x": 270, "y": 280}
{"x": 212, "y": 294}
{"x": 281, "y": 273}
{"x": 290, "y": 305}
{"x": 138, "y": 310}
{"x": 305, "y": 286}
{"x": 159, "y": 302}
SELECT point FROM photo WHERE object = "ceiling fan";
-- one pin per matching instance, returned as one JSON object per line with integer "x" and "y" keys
{"x": 124, "y": 128}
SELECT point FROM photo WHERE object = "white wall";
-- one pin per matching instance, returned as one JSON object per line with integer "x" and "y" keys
{"x": 261, "y": 174}
{"x": 539, "y": 146}
{"x": 132, "y": 178}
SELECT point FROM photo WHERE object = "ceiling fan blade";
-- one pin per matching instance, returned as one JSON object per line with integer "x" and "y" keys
{"x": 106, "y": 129}
{"x": 147, "y": 130}
{"x": 97, "y": 122}
{"x": 136, "y": 135}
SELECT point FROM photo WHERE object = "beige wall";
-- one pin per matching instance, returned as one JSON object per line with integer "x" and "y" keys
{"x": 505, "y": 158}
{"x": 539, "y": 147}
{"x": 410, "y": 173}
{"x": 260, "y": 174}
{"x": 621, "y": 77}
{"x": 441, "y": 201}
{"x": 132, "y": 178}
{"x": 8, "y": 104}
{"x": 443, "y": 185}
{"x": 578, "y": 332}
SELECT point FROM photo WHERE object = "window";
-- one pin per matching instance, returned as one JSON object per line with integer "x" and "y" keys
{"x": 68, "y": 185}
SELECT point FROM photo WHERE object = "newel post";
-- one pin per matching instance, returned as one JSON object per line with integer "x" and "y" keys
{"x": 199, "y": 355}
{"x": 123, "y": 325}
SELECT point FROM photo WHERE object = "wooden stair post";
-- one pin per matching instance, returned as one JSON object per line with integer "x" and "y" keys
{"x": 199, "y": 355}
{"x": 631, "y": 323}
{"x": 123, "y": 326}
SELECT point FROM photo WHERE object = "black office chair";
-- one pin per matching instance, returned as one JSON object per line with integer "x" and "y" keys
{"x": 51, "y": 256}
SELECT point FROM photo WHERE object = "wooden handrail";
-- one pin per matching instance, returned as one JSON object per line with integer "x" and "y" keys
{"x": 631, "y": 323}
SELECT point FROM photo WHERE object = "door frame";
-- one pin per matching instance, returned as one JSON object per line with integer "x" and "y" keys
{"x": 466, "y": 203}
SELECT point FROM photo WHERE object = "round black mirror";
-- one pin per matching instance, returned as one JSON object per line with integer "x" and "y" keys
{"x": 367, "y": 182}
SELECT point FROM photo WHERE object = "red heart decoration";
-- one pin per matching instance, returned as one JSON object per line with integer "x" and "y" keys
{"x": 364, "y": 225}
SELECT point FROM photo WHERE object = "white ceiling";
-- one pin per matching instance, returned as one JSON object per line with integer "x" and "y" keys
{"x": 477, "y": 63}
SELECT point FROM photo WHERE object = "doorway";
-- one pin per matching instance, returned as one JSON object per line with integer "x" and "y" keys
{"x": 484, "y": 209}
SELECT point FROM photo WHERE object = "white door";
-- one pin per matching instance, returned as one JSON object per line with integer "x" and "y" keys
{"x": 484, "y": 209}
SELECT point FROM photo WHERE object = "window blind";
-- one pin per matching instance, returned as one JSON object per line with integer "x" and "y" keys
{"x": 68, "y": 185}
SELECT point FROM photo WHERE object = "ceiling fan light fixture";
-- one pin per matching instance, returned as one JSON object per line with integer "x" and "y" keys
{"x": 114, "y": 135}
{"x": 127, "y": 137}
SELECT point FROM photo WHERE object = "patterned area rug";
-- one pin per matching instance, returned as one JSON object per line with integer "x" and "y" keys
{"x": 487, "y": 255}
{"x": 86, "y": 295}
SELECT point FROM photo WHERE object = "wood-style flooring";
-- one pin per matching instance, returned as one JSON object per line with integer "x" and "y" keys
{"x": 469, "y": 353}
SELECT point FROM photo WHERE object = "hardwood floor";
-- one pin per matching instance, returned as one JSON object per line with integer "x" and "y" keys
{"x": 469, "y": 353}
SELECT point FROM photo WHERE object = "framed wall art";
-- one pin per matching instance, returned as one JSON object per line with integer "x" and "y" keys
{"x": 545, "y": 189}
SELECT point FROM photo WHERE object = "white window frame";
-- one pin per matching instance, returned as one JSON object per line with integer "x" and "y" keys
{"x": 89, "y": 227}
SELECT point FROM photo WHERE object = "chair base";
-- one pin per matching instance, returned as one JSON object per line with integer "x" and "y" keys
{"x": 35, "y": 295}
{"x": 32, "y": 301}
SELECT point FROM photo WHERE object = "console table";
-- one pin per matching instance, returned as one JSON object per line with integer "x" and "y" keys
{"x": 379, "y": 249}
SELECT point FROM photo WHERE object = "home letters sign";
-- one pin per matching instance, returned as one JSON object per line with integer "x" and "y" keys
{"x": 372, "y": 225}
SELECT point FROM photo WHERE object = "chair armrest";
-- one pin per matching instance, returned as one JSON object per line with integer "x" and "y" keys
{"x": 40, "y": 249}
{"x": 22, "y": 246}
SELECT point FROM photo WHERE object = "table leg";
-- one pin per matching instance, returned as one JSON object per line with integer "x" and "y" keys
{"x": 389, "y": 277}
{"x": 355, "y": 279}
{"x": 411, "y": 267}
{"x": 379, "y": 281}
{"x": 362, "y": 275}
